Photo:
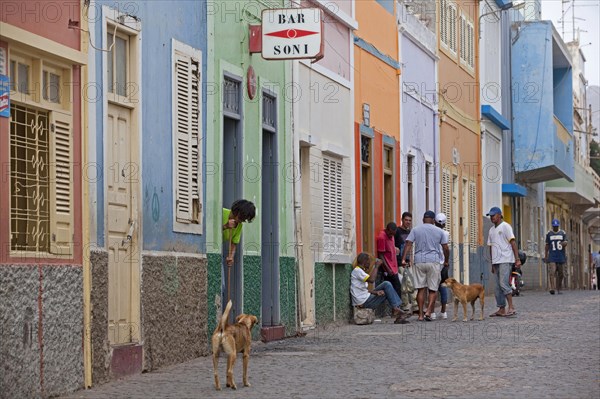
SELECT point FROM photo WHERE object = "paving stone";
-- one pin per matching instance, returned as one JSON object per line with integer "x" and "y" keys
{"x": 551, "y": 349}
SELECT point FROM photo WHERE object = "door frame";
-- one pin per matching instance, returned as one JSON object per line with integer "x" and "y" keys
{"x": 132, "y": 28}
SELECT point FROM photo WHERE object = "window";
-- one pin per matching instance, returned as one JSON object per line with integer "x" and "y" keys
{"x": 41, "y": 159}
{"x": 467, "y": 44}
{"x": 473, "y": 218}
{"x": 451, "y": 22}
{"x": 388, "y": 183}
{"x": 444, "y": 22}
{"x": 118, "y": 63}
{"x": 187, "y": 138}
{"x": 41, "y": 181}
{"x": 333, "y": 217}
{"x": 446, "y": 199}
{"x": 409, "y": 181}
{"x": 269, "y": 112}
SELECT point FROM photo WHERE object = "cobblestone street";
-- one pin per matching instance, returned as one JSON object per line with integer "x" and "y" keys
{"x": 551, "y": 349}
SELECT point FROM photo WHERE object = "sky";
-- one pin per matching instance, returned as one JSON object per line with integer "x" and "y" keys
{"x": 587, "y": 19}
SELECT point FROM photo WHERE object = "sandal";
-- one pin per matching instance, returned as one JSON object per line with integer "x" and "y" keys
{"x": 428, "y": 318}
{"x": 498, "y": 314}
{"x": 511, "y": 313}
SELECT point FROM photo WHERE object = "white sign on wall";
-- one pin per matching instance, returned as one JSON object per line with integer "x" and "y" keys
{"x": 292, "y": 33}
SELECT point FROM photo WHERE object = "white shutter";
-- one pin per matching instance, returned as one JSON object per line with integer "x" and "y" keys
{"x": 333, "y": 217}
{"x": 463, "y": 41}
{"x": 61, "y": 184}
{"x": 187, "y": 132}
{"x": 444, "y": 22}
{"x": 446, "y": 197}
{"x": 471, "y": 45}
{"x": 473, "y": 216}
{"x": 452, "y": 31}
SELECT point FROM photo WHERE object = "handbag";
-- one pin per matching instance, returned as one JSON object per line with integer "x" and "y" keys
{"x": 363, "y": 316}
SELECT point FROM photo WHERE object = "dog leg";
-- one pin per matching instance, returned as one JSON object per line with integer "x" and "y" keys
{"x": 455, "y": 310}
{"x": 481, "y": 299}
{"x": 464, "y": 310}
{"x": 245, "y": 372}
{"x": 230, "y": 363}
{"x": 473, "y": 309}
{"x": 216, "y": 370}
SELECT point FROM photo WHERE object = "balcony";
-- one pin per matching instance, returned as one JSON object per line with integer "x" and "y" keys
{"x": 542, "y": 104}
{"x": 582, "y": 191}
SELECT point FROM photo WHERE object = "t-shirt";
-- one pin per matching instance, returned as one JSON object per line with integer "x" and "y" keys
{"x": 441, "y": 249}
{"x": 400, "y": 241}
{"x": 237, "y": 231}
{"x": 499, "y": 239}
{"x": 597, "y": 260}
{"x": 387, "y": 245}
{"x": 556, "y": 253}
{"x": 427, "y": 239}
{"x": 359, "y": 288}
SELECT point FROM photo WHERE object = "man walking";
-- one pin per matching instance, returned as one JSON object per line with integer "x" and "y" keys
{"x": 409, "y": 295}
{"x": 503, "y": 253}
{"x": 597, "y": 264}
{"x": 386, "y": 251}
{"x": 556, "y": 242}
{"x": 427, "y": 238}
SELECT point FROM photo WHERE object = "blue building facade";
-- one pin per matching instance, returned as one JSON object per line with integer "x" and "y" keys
{"x": 542, "y": 103}
{"x": 147, "y": 258}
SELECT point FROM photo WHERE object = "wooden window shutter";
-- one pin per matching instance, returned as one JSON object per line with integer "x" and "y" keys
{"x": 61, "y": 184}
{"x": 187, "y": 97}
{"x": 446, "y": 197}
{"x": 333, "y": 217}
{"x": 473, "y": 216}
{"x": 452, "y": 35}
{"x": 444, "y": 21}
{"x": 471, "y": 45}
{"x": 463, "y": 41}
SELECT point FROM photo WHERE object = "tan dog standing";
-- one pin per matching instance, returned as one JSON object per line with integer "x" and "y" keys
{"x": 466, "y": 293}
{"x": 232, "y": 338}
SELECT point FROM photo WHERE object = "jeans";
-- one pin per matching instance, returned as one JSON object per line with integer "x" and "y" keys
{"x": 390, "y": 294}
{"x": 443, "y": 294}
{"x": 503, "y": 288}
{"x": 394, "y": 279}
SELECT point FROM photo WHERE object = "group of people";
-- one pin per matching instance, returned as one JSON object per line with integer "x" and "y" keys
{"x": 394, "y": 251}
{"x": 431, "y": 264}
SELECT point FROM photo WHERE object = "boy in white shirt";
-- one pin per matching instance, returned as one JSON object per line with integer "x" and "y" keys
{"x": 359, "y": 288}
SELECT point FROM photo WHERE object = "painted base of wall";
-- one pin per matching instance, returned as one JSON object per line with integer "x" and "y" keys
{"x": 41, "y": 330}
{"x": 252, "y": 297}
{"x": 174, "y": 316}
{"x": 332, "y": 292}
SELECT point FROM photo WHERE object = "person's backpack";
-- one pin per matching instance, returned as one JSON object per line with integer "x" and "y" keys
{"x": 363, "y": 316}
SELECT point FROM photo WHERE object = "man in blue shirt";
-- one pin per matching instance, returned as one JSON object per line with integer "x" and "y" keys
{"x": 556, "y": 257}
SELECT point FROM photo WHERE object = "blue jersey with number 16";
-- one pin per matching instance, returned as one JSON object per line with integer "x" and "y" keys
{"x": 554, "y": 239}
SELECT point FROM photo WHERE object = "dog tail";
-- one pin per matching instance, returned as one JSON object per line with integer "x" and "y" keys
{"x": 224, "y": 317}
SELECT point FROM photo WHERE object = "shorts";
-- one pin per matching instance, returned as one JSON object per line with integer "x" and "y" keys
{"x": 427, "y": 275}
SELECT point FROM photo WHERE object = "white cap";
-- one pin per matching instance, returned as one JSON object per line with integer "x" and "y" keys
{"x": 440, "y": 218}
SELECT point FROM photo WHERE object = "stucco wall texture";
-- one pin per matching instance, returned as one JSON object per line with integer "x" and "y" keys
{"x": 99, "y": 319}
{"x": 174, "y": 309}
{"x": 41, "y": 330}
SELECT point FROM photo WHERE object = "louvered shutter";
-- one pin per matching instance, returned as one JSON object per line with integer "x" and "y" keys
{"x": 471, "y": 45}
{"x": 463, "y": 37}
{"x": 61, "y": 184}
{"x": 452, "y": 36}
{"x": 333, "y": 217}
{"x": 473, "y": 216}
{"x": 187, "y": 126}
{"x": 446, "y": 198}
{"x": 444, "y": 21}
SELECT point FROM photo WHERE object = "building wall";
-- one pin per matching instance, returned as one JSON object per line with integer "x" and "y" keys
{"x": 41, "y": 295}
{"x": 173, "y": 263}
{"x": 228, "y": 23}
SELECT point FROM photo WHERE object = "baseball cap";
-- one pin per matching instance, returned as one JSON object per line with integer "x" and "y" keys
{"x": 494, "y": 211}
{"x": 555, "y": 223}
{"x": 440, "y": 218}
{"x": 429, "y": 214}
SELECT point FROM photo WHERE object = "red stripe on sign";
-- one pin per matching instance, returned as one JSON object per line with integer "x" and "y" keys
{"x": 291, "y": 33}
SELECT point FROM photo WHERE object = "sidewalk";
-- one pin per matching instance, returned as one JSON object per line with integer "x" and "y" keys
{"x": 551, "y": 349}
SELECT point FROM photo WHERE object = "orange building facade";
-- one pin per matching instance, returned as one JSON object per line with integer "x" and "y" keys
{"x": 377, "y": 121}
{"x": 460, "y": 145}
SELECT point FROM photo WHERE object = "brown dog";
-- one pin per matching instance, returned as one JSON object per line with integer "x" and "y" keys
{"x": 466, "y": 293}
{"x": 233, "y": 339}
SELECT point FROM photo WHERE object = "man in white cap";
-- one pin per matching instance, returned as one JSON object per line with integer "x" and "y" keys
{"x": 427, "y": 239}
{"x": 440, "y": 221}
{"x": 503, "y": 253}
